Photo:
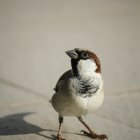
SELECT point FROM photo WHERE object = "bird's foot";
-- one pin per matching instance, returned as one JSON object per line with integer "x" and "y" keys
{"x": 95, "y": 136}
{"x": 59, "y": 137}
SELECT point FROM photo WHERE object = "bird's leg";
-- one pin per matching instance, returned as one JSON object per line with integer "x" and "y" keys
{"x": 91, "y": 134}
{"x": 59, "y": 130}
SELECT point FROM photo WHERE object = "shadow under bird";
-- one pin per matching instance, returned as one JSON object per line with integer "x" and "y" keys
{"x": 79, "y": 91}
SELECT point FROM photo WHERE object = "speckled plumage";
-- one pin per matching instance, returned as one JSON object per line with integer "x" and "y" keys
{"x": 79, "y": 91}
{"x": 70, "y": 100}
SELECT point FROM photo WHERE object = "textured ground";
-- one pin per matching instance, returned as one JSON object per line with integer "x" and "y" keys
{"x": 33, "y": 38}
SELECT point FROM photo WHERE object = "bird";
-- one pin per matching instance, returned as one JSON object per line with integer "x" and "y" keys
{"x": 80, "y": 90}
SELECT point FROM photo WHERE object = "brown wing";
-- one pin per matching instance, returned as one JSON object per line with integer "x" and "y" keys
{"x": 68, "y": 74}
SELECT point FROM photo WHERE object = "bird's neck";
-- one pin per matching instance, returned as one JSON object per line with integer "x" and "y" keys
{"x": 85, "y": 69}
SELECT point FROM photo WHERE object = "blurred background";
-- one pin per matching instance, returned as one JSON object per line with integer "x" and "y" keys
{"x": 34, "y": 35}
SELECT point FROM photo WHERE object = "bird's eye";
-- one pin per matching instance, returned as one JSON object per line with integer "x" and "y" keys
{"x": 85, "y": 55}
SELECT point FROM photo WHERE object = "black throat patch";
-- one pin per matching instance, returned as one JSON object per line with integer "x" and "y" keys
{"x": 74, "y": 64}
{"x": 85, "y": 88}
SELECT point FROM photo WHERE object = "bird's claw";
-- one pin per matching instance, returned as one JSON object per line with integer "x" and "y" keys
{"x": 95, "y": 136}
{"x": 59, "y": 138}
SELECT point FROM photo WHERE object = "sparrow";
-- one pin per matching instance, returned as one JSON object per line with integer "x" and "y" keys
{"x": 79, "y": 91}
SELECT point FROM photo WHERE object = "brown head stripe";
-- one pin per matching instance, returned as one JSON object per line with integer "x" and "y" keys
{"x": 96, "y": 59}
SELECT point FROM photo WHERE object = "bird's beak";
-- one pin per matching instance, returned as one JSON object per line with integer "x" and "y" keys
{"x": 72, "y": 54}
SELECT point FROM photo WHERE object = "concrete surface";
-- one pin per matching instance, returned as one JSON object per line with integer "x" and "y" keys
{"x": 33, "y": 38}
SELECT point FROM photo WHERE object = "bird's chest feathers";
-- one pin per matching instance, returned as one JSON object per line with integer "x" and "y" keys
{"x": 88, "y": 81}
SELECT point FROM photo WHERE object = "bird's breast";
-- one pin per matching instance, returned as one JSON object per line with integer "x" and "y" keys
{"x": 85, "y": 87}
{"x": 74, "y": 99}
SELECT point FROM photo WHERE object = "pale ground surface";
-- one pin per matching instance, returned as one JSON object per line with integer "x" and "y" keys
{"x": 33, "y": 38}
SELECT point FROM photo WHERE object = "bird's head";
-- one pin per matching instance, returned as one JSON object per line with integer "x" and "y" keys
{"x": 84, "y": 62}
